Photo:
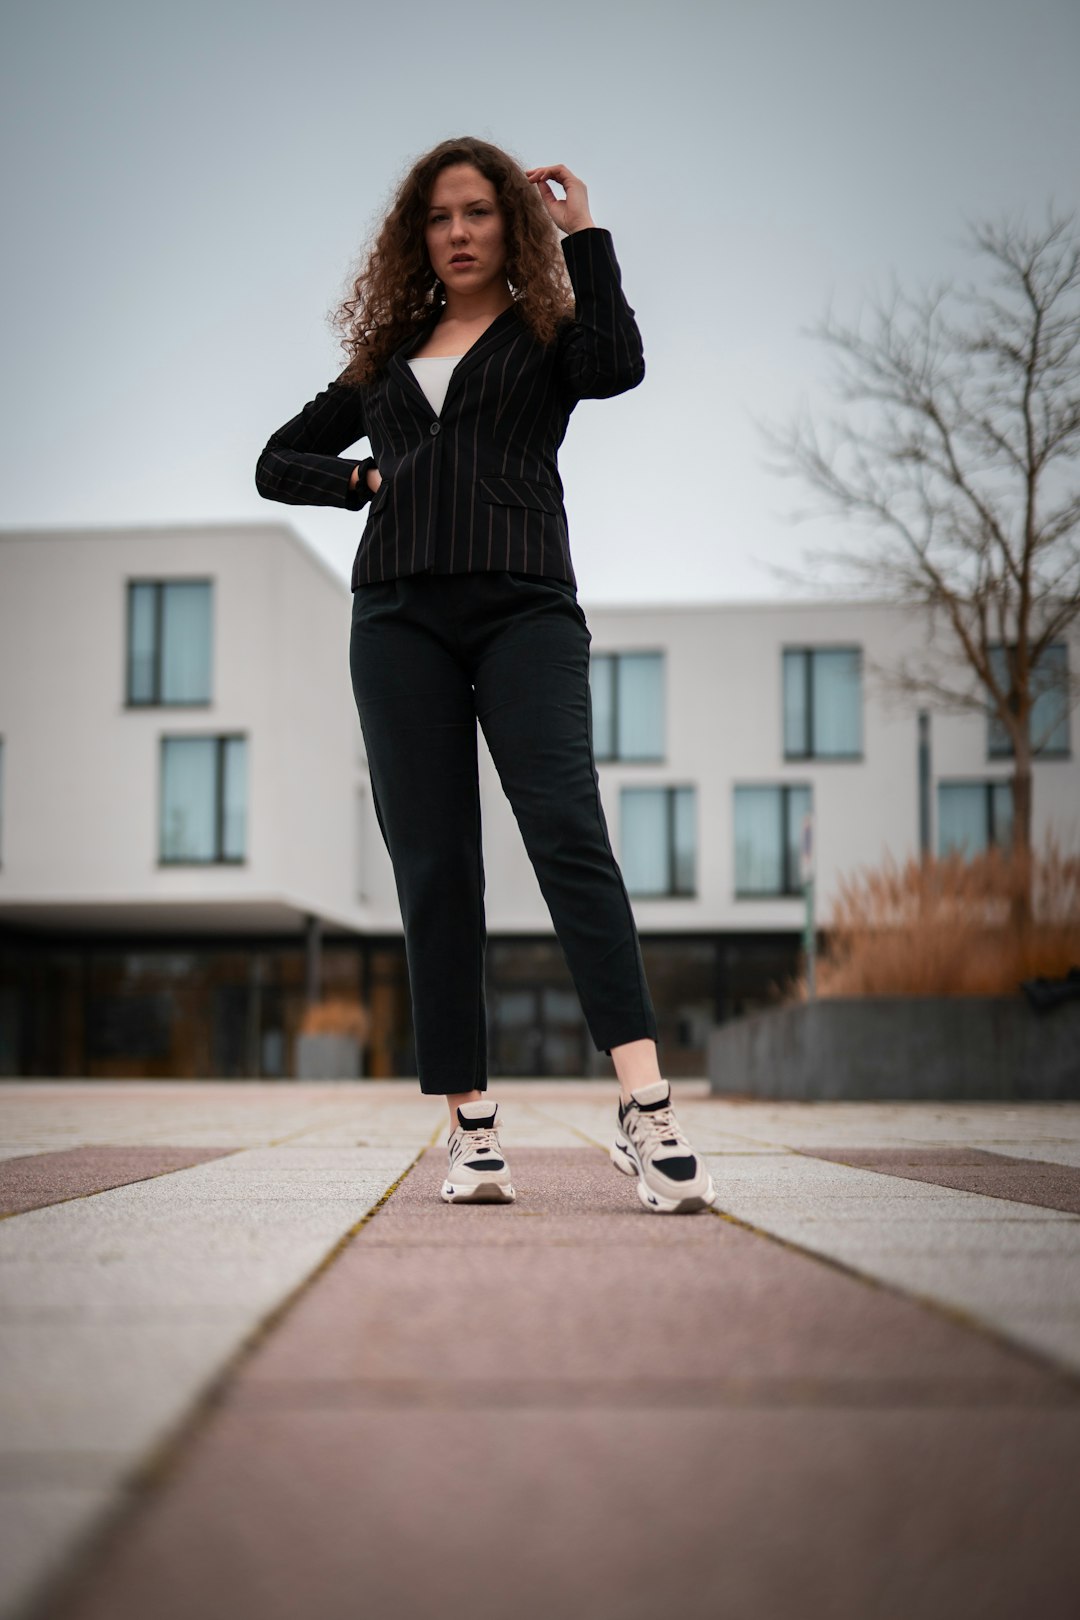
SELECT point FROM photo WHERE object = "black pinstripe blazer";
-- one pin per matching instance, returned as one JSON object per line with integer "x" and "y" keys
{"x": 476, "y": 487}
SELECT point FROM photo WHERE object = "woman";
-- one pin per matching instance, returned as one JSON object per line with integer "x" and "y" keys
{"x": 469, "y": 350}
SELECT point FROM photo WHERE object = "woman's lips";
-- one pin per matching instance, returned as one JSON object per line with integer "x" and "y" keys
{"x": 461, "y": 264}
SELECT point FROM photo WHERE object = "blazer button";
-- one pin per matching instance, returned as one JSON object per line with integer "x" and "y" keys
{"x": 435, "y": 426}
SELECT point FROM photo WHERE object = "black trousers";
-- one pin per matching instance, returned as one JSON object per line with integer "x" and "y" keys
{"x": 430, "y": 654}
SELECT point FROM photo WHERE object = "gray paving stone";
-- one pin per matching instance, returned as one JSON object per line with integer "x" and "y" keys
{"x": 103, "y": 1386}
{"x": 34, "y": 1522}
{"x": 32, "y": 1180}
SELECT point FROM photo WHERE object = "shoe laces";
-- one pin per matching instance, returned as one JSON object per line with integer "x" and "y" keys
{"x": 485, "y": 1136}
{"x": 659, "y": 1127}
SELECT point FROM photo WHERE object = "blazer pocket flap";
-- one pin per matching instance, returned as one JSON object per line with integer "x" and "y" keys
{"x": 520, "y": 492}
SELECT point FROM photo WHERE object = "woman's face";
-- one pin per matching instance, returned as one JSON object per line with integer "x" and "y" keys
{"x": 465, "y": 223}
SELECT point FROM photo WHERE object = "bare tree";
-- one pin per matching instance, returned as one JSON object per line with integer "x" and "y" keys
{"x": 957, "y": 449}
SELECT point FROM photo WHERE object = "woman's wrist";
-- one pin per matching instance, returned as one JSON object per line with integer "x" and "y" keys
{"x": 360, "y": 489}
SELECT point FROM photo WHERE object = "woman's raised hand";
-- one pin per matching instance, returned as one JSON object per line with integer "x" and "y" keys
{"x": 570, "y": 213}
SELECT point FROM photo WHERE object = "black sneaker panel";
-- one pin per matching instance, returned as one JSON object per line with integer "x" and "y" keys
{"x": 677, "y": 1169}
{"x": 643, "y": 1108}
{"x": 484, "y": 1164}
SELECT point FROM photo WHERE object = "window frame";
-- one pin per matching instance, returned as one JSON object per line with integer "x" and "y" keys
{"x": 1004, "y": 748}
{"x": 806, "y": 651}
{"x": 157, "y": 584}
{"x": 789, "y": 870}
{"x": 988, "y": 785}
{"x": 613, "y": 657}
{"x": 669, "y": 790}
{"x": 220, "y": 738}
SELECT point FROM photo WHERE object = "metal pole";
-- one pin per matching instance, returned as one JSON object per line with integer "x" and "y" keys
{"x": 924, "y": 784}
{"x": 806, "y": 862}
{"x": 313, "y": 942}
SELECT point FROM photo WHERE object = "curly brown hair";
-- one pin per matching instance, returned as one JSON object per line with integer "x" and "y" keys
{"x": 397, "y": 289}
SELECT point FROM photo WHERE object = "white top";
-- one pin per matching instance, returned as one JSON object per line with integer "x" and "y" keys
{"x": 433, "y": 375}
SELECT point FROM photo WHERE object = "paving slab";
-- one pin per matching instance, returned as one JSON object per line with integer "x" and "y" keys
{"x": 705, "y": 1299}
{"x": 38, "y": 1116}
{"x": 35, "y": 1521}
{"x": 33, "y": 1180}
{"x": 621, "y": 1515}
{"x": 970, "y": 1169}
{"x": 1014, "y": 1267}
{"x": 1041, "y": 1130}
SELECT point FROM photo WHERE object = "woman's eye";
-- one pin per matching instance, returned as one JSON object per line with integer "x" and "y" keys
{"x": 437, "y": 219}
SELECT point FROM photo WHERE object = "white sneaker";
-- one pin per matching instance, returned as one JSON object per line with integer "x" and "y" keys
{"x": 650, "y": 1144}
{"x": 478, "y": 1172}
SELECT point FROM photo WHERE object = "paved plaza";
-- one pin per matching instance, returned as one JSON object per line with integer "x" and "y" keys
{"x": 254, "y": 1369}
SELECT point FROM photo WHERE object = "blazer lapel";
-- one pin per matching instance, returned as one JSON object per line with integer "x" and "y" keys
{"x": 504, "y": 327}
{"x": 500, "y": 331}
{"x": 398, "y": 367}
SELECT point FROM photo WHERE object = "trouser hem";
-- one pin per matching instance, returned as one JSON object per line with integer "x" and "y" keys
{"x": 604, "y": 1043}
{"x": 452, "y": 1090}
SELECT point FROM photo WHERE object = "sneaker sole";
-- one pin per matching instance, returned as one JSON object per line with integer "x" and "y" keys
{"x": 622, "y": 1158}
{"x": 483, "y": 1192}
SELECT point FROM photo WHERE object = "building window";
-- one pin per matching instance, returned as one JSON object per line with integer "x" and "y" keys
{"x": 169, "y": 642}
{"x": 1048, "y": 722}
{"x": 822, "y": 703}
{"x": 768, "y": 833}
{"x": 658, "y": 840}
{"x": 974, "y": 815}
{"x": 203, "y": 799}
{"x": 627, "y": 696}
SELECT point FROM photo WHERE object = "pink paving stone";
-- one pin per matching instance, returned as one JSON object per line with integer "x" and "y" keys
{"x": 996, "y": 1175}
{"x": 604, "y": 1297}
{"x": 562, "y": 1193}
{"x": 38, "y": 1179}
{"x": 615, "y": 1515}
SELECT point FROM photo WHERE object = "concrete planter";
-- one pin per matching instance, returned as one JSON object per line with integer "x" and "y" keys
{"x": 881, "y": 1048}
{"x": 327, "y": 1057}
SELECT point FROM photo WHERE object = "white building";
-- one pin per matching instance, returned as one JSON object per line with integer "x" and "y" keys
{"x": 189, "y": 851}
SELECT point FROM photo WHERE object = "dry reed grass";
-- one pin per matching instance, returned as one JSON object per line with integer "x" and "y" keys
{"x": 946, "y": 926}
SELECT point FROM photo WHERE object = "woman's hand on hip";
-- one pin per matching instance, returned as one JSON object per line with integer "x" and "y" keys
{"x": 374, "y": 473}
{"x": 570, "y": 213}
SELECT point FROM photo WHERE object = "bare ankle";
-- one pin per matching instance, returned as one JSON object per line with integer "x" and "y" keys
{"x": 636, "y": 1064}
{"x": 457, "y": 1097}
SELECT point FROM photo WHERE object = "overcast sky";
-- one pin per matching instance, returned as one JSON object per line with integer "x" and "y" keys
{"x": 187, "y": 188}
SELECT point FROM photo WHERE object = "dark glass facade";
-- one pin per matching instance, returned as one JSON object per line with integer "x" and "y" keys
{"x": 214, "y": 1008}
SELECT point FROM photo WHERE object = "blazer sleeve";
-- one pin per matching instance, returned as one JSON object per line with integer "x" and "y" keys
{"x": 299, "y": 463}
{"x": 600, "y": 351}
